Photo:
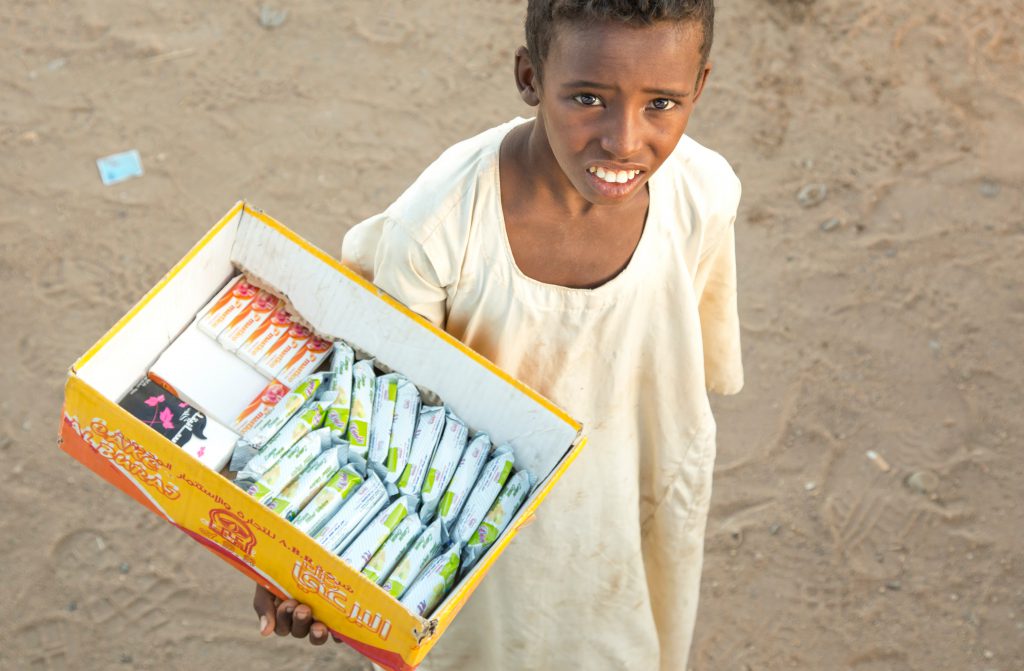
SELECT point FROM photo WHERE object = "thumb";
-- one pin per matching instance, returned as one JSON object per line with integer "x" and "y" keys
{"x": 263, "y": 604}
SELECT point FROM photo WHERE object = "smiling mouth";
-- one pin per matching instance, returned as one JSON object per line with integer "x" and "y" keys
{"x": 614, "y": 176}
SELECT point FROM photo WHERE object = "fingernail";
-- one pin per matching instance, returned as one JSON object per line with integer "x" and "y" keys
{"x": 289, "y": 610}
{"x": 263, "y": 623}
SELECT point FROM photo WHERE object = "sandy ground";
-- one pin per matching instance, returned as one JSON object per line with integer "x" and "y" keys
{"x": 887, "y": 317}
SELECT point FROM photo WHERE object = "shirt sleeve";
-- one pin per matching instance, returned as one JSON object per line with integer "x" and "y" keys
{"x": 715, "y": 285}
{"x": 383, "y": 252}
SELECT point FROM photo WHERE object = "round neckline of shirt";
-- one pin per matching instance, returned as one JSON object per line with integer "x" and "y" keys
{"x": 611, "y": 285}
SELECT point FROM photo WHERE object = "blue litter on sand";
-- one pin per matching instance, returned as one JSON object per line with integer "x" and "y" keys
{"x": 119, "y": 167}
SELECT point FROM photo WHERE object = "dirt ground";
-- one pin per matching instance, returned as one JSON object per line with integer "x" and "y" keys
{"x": 882, "y": 311}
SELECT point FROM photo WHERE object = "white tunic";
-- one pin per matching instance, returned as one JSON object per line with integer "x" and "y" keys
{"x": 608, "y": 575}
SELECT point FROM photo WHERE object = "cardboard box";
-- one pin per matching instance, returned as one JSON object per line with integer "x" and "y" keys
{"x": 209, "y": 508}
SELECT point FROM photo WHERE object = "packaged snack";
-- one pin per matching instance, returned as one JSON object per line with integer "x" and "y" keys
{"x": 429, "y": 426}
{"x": 407, "y": 408}
{"x": 226, "y": 306}
{"x": 442, "y": 465}
{"x": 340, "y": 380}
{"x": 260, "y": 406}
{"x": 426, "y": 546}
{"x": 434, "y": 583}
{"x": 464, "y": 479}
{"x": 488, "y": 485}
{"x": 363, "y": 385}
{"x": 357, "y": 512}
{"x": 247, "y": 321}
{"x": 385, "y": 396}
{"x": 308, "y": 418}
{"x": 284, "y": 350}
{"x": 372, "y": 537}
{"x": 266, "y": 428}
{"x": 205, "y": 375}
{"x": 311, "y": 480}
{"x": 292, "y": 462}
{"x": 385, "y": 559}
{"x": 326, "y": 503}
{"x": 269, "y": 332}
{"x": 306, "y": 361}
{"x": 501, "y": 513}
{"x": 192, "y": 431}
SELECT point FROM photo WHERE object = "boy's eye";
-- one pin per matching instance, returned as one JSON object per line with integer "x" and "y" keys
{"x": 588, "y": 99}
{"x": 663, "y": 104}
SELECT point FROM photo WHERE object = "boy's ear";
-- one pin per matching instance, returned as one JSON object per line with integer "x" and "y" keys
{"x": 527, "y": 79}
{"x": 702, "y": 79}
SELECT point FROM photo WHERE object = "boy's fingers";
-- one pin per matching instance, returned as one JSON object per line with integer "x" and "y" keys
{"x": 263, "y": 602}
{"x": 302, "y": 618}
{"x": 284, "y": 617}
{"x": 318, "y": 633}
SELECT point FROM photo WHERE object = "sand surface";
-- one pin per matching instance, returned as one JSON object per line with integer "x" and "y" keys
{"x": 894, "y": 327}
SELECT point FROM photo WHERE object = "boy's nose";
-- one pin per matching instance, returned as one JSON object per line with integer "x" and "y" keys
{"x": 621, "y": 136}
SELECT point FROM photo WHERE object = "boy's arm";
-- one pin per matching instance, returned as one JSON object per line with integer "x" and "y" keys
{"x": 716, "y": 289}
{"x": 382, "y": 251}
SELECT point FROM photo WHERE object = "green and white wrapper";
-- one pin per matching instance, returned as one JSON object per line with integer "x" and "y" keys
{"x": 434, "y": 583}
{"x": 290, "y": 465}
{"x": 501, "y": 513}
{"x": 429, "y": 426}
{"x": 357, "y": 512}
{"x": 488, "y": 485}
{"x": 304, "y": 421}
{"x": 340, "y": 381}
{"x": 266, "y": 428}
{"x": 385, "y": 397}
{"x": 329, "y": 500}
{"x": 372, "y": 537}
{"x": 311, "y": 480}
{"x": 363, "y": 385}
{"x": 386, "y": 558}
{"x": 403, "y": 428}
{"x": 426, "y": 546}
{"x": 442, "y": 464}
{"x": 465, "y": 477}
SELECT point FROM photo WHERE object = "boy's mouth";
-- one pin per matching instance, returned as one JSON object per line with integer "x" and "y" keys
{"x": 614, "y": 176}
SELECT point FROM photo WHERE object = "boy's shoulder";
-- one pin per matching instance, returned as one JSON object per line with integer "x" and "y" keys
{"x": 450, "y": 183}
{"x": 704, "y": 179}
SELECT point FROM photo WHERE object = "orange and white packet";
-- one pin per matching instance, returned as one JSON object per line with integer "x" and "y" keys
{"x": 284, "y": 350}
{"x": 227, "y": 305}
{"x": 260, "y": 342}
{"x": 250, "y": 319}
{"x": 260, "y": 406}
{"x": 306, "y": 361}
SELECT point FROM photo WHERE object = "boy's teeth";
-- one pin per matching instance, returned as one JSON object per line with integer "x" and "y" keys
{"x": 613, "y": 176}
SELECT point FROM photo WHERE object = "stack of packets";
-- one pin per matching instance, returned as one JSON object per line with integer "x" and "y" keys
{"x": 256, "y": 326}
{"x": 397, "y": 489}
{"x": 199, "y": 392}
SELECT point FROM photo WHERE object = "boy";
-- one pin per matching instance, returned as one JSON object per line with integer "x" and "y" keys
{"x": 590, "y": 253}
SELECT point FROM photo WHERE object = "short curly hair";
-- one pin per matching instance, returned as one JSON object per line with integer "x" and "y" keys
{"x": 542, "y": 15}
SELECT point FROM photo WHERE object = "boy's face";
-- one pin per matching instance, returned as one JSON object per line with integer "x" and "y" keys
{"x": 614, "y": 101}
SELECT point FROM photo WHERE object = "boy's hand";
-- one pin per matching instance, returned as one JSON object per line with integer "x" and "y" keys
{"x": 287, "y": 617}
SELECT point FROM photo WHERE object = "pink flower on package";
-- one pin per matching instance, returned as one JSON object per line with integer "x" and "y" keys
{"x": 166, "y": 417}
